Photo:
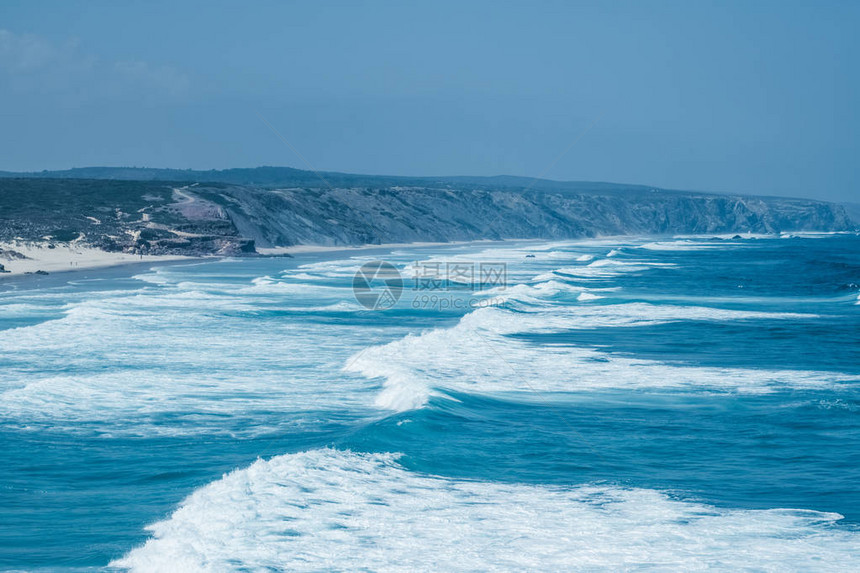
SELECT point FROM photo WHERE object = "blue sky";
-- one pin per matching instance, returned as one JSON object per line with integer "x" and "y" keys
{"x": 755, "y": 97}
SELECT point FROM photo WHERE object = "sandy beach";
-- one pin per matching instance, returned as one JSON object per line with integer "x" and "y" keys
{"x": 26, "y": 257}
{"x": 20, "y": 258}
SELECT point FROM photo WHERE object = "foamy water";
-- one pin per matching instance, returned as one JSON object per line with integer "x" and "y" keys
{"x": 333, "y": 510}
{"x": 628, "y": 404}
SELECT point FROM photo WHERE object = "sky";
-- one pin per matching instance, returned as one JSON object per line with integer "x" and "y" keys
{"x": 743, "y": 97}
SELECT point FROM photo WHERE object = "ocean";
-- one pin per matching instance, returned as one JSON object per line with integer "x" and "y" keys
{"x": 659, "y": 404}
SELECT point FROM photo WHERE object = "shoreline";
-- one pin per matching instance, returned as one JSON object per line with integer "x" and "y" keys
{"x": 64, "y": 259}
{"x": 66, "y": 263}
{"x": 70, "y": 261}
{"x": 312, "y": 249}
{"x": 37, "y": 259}
{"x": 62, "y": 278}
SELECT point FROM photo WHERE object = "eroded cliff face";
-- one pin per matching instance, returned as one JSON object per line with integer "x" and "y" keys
{"x": 160, "y": 217}
{"x": 361, "y": 215}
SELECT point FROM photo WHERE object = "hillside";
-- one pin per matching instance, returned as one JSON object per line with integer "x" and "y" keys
{"x": 231, "y": 211}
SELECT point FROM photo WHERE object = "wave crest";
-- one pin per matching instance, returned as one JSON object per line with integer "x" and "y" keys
{"x": 338, "y": 510}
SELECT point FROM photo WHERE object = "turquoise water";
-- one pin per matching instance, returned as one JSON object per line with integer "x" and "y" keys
{"x": 619, "y": 404}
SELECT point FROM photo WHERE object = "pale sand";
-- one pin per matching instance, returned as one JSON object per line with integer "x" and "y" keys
{"x": 67, "y": 257}
{"x": 72, "y": 257}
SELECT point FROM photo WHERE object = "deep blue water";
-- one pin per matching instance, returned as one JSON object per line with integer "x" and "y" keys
{"x": 663, "y": 397}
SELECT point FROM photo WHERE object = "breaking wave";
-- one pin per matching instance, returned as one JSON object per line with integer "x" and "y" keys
{"x": 338, "y": 510}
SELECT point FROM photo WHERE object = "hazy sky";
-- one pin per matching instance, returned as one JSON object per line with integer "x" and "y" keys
{"x": 757, "y": 97}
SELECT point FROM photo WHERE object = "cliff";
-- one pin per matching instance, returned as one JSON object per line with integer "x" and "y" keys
{"x": 231, "y": 211}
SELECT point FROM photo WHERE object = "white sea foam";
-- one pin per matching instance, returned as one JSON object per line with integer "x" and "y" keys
{"x": 535, "y": 291}
{"x": 518, "y": 267}
{"x": 822, "y": 234}
{"x": 268, "y": 285}
{"x": 607, "y": 268}
{"x": 302, "y": 276}
{"x": 559, "y": 318}
{"x": 155, "y": 277}
{"x": 22, "y": 309}
{"x": 478, "y": 355}
{"x": 264, "y": 280}
{"x": 126, "y": 357}
{"x": 342, "y": 306}
{"x": 329, "y": 510}
{"x": 587, "y": 296}
{"x": 340, "y": 268}
{"x": 682, "y": 246}
{"x": 737, "y": 236}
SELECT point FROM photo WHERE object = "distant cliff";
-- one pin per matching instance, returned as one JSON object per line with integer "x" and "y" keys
{"x": 231, "y": 211}
{"x": 355, "y": 216}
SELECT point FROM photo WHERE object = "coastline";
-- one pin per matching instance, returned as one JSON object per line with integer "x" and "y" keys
{"x": 75, "y": 261}
{"x": 63, "y": 258}
{"x": 65, "y": 263}
{"x": 120, "y": 270}
{"x": 311, "y": 249}
{"x": 71, "y": 262}
{"x": 70, "y": 258}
